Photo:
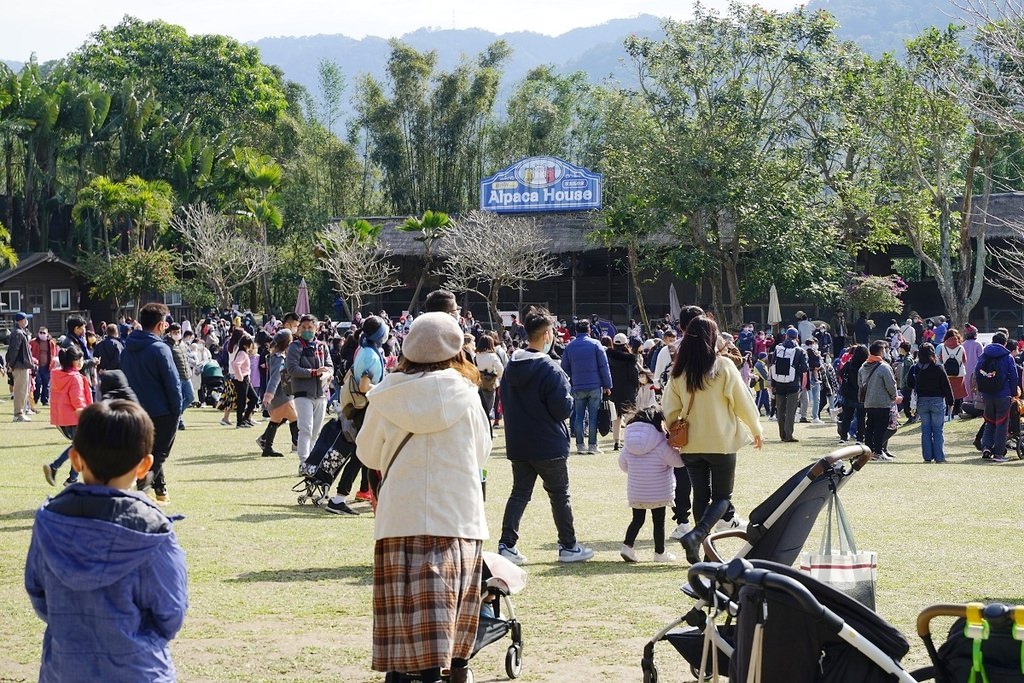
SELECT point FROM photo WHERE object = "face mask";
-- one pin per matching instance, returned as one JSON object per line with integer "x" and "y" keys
{"x": 44, "y": 337}
{"x": 307, "y": 335}
{"x": 176, "y": 337}
{"x": 549, "y": 344}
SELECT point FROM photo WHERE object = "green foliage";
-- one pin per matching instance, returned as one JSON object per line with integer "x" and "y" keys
{"x": 7, "y": 255}
{"x": 131, "y": 275}
{"x": 876, "y": 294}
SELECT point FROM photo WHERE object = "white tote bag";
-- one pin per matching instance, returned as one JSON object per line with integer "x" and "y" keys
{"x": 842, "y": 566}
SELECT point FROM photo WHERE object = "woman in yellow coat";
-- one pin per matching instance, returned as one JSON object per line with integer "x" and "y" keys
{"x": 707, "y": 389}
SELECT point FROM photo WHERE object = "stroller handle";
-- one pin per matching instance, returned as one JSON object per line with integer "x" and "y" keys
{"x": 739, "y": 572}
{"x": 924, "y": 619}
{"x": 859, "y": 454}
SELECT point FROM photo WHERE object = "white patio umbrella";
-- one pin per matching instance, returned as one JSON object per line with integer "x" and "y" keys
{"x": 302, "y": 302}
{"x": 774, "y": 310}
{"x": 673, "y": 302}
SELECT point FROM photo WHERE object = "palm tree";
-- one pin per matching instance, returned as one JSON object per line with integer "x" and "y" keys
{"x": 263, "y": 176}
{"x": 431, "y": 227}
{"x": 7, "y": 254}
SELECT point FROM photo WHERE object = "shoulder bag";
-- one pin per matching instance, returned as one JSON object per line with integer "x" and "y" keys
{"x": 394, "y": 456}
{"x": 679, "y": 431}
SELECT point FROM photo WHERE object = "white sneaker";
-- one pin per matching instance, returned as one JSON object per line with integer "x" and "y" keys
{"x": 736, "y": 522}
{"x": 511, "y": 554}
{"x": 664, "y": 557}
{"x": 594, "y": 450}
{"x": 581, "y": 450}
{"x": 577, "y": 554}
{"x": 681, "y": 531}
{"x": 817, "y": 421}
{"x": 773, "y": 419}
{"x": 627, "y": 553}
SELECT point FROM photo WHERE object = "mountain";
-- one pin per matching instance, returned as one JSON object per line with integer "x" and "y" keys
{"x": 14, "y": 66}
{"x": 596, "y": 50}
{"x": 885, "y": 25}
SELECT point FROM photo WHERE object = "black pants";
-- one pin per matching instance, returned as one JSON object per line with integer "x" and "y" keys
{"x": 786, "y": 405}
{"x": 165, "y": 429}
{"x": 245, "y": 400}
{"x": 657, "y": 520}
{"x": 487, "y": 401}
{"x": 554, "y": 474}
{"x": 877, "y": 424}
{"x": 906, "y": 392}
{"x": 712, "y": 476}
{"x": 681, "y": 509}
{"x": 850, "y": 408}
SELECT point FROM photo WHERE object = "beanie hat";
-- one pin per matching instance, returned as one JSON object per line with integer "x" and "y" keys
{"x": 433, "y": 338}
{"x": 620, "y": 339}
{"x": 762, "y": 355}
{"x": 792, "y": 333}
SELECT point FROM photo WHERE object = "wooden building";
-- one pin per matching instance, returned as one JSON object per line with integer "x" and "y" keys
{"x": 45, "y": 286}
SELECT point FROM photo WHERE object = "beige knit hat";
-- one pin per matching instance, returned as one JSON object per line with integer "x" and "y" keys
{"x": 433, "y": 338}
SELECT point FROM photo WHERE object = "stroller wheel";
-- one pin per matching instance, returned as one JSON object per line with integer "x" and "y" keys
{"x": 695, "y": 672}
{"x": 514, "y": 660}
{"x": 1020, "y": 447}
{"x": 650, "y": 671}
{"x": 302, "y": 500}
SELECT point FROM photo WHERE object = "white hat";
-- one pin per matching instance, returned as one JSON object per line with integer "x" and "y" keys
{"x": 433, "y": 338}
{"x": 620, "y": 339}
{"x": 648, "y": 345}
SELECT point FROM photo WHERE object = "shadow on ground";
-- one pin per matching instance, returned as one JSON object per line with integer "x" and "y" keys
{"x": 356, "y": 576}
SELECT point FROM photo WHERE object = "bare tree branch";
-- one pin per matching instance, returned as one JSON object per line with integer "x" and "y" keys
{"x": 219, "y": 254}
{"x": 485, "y": 252}
{"x": 357, "y": 265}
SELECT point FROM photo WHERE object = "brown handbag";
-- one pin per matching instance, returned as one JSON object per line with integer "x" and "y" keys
{"x": 679, "y": 431}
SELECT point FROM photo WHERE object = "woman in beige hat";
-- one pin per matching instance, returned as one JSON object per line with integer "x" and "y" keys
{"x": 426, "y": 432}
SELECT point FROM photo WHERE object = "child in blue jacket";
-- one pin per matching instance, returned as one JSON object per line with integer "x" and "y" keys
{"x": 104, "y": 568}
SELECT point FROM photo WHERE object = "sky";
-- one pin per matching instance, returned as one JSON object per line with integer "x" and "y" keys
{"x": 52, "y": 28}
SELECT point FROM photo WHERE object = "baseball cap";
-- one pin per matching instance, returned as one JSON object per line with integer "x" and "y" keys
{"x": 620, "y": 339}
{"x": 792, "y": 333}
{"x": 19, "y": 316}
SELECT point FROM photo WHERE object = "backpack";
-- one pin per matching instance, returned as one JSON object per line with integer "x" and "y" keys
{"x": 352, "y": 400}
{"x": 784, "y": 365}
{"x": 951, "y": 365}
{"x": 990, "y": 376}
{"x": 488, "y": 380}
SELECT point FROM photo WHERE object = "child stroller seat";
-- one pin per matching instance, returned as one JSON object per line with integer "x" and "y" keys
{"x": 1001, "y": 651}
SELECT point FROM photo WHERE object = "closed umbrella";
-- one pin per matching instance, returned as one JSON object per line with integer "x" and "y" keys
{"x": 302, "y": 303}
{"x": 673, "y": 302}
{"x": 774, "y": 310}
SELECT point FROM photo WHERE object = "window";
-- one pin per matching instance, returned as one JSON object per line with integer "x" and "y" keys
{"x": 12, "y": 300}
{"x": 60, "y": 299}
{"x": 172, "y": 298}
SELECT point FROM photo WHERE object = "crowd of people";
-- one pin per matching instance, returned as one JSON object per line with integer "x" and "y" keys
{"x": 420, "y": 399}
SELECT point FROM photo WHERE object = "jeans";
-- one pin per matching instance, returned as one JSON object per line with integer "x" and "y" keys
{"x": 712, "y": 476}
{"x": 165, "y": 429}
{"x": 63, "y": 457}
{"x": 785, "y": 406}
{"x": 585, "y": 402}
{"x": 188, "y": 395}
{"x": 877, "y": 423}
{"x": 310, "y": 412}
{"x": 657, "y": 521}
{"x": 997, "y": 418}
{"x": 554, "y": 474}
{"x": 932, "y": 411}
{"x": 814, "y": 396}
{"x": 42, "y": 392}
{"x": 763, "y": 400}
{"x": 851, "y": 409}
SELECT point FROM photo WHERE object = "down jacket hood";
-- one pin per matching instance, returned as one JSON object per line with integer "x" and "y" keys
{"x": 995, "y": 351}
{"x": 60, "y": 379}
{"x": 425, "y": 403}
{"x": 642, "y": 438}
{"x": 71, "y": 528}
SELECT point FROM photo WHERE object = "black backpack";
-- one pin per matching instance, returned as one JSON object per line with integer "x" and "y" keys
{"x": 990, "y": 375}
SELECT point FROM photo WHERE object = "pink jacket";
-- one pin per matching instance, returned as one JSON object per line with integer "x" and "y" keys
{"x": 69, "y": 392}
{"x": 240, "y": 365}
{"x": 648, "y": 462}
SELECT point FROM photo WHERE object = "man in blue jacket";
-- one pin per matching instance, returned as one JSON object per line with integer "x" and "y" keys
{"x": 997, "y": 380}
{"x": 536, "y": 401}
{"x": 149, "y": 366}
{"x": 586, "y": 364}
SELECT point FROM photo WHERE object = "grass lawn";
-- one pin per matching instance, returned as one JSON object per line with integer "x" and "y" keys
{"x": 281, "y": 592}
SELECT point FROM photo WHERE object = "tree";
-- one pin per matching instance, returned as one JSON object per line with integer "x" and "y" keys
{"x": 7, "y": 255}
{"x": 262, "y": 176}
{"x": 431, "y": 228}
{"x": 486, "y": 252}
{"x": 427, "y": 133}
{"x": 131, "y": 276}
{"x": 220, "y": 255}
{"x": 141, "y": 208}
{"x": 358, "y": 265}
{"x": 932, "y": 153}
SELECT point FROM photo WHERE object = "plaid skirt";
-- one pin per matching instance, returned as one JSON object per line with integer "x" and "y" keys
{"x": 426, "y": 601}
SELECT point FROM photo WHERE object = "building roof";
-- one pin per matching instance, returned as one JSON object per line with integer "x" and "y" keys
{"x": 1005, "y": 215}
{"x": 30, "y": 261}
{"x": 567, "y": 232}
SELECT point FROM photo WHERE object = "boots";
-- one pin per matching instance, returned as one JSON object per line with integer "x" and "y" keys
{"x": 693, "y": 541}
{"x": 458, "y": 675}
{"x": 266, "y": 442}
{"x": 294, "y": 427}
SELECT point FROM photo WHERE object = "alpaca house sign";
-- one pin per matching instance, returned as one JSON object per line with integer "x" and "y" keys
{"x": 541, "y": 184}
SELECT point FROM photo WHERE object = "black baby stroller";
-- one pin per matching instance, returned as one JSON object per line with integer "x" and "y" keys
{"x": 777, "y": 531}
{"x": 790, "y": 627}
{"x": 985, "y": 643}
{"x": 326, "y": 459}
{"x": 211, "y": 384}
{"x": 501, "y": 580}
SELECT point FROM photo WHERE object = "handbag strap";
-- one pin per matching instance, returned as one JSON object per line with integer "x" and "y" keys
{"x": 689, "y": 406}
{"x": 844, "y": 533}
{"x": 394, "y": 456}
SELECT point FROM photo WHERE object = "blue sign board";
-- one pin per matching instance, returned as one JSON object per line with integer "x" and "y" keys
{"x": 541, "y": 184}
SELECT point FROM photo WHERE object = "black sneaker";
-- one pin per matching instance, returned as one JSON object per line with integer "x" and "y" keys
{"x": 341, "y": 508}
{"x": 986, "y": 455}
{"x": 272, "y": 454}
{"x": 70, "y": 480}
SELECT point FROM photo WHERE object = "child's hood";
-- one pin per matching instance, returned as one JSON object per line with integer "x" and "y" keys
{"x": 642, "y": 438}
{"x": 60, "y": 380}
{"x": 93, "y": 536}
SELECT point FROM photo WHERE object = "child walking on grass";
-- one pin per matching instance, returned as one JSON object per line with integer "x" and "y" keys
{"x": 70, "y": 394}
{"x": 649, "y": 463}
{"x": 104, "y": 568}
